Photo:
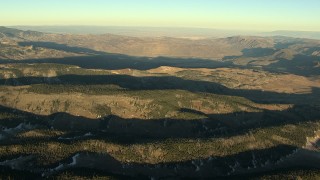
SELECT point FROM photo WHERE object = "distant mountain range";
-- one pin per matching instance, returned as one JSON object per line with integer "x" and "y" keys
{"x": 193, "y": 33}
{"x": 297, "y": 34}
{"x": 12, "y": 33}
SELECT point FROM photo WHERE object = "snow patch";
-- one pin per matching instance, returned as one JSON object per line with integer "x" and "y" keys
{"x": 58, "y": 168}
{"x": 196, "y": 165}
{"x": 17, "y": 163}
{"x": 74, "y": 160}
{"x": 13, "y": 131}
{"x": 20, "y": 127}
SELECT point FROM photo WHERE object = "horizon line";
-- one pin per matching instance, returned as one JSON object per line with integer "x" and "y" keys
{"x": 164, "y": 27}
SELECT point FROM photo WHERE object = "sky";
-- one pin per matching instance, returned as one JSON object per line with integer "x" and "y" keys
{"x": 260, "y": 15}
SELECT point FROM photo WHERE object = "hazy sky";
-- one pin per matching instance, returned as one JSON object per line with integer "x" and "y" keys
{"x": 221, "y": 14}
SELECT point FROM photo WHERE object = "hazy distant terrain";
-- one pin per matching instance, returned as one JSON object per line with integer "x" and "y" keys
{"x": 121, "y": 103}
{"x": 297, "y": 34}
{"x": 190, "y": 33}
{"x": 138, "y": 31}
